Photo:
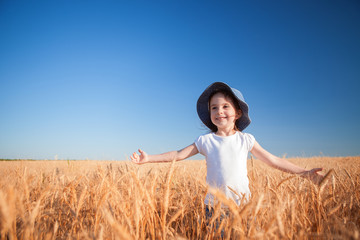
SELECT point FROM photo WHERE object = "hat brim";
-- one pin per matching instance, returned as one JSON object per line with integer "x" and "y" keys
{"x": 203, "y": 105}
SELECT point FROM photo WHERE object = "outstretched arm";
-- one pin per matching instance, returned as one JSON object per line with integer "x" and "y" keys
{"x": 285, "y": 165}
{"x": 182, "y": 154}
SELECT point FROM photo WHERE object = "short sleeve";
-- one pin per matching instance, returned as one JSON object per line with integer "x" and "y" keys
{"x": 250, "y": 141}
{"x": 199, "y": 143}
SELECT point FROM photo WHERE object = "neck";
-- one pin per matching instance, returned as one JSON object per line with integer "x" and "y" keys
{"x": 225, "y": 132}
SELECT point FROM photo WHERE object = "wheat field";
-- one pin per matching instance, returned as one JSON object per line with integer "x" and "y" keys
{"x": 121, "y": 200}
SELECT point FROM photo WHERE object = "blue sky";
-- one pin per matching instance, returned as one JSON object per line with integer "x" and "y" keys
{"x": 100, "y": 79}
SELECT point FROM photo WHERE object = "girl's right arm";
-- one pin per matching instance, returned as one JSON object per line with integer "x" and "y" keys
{"x": 182, "y": 154}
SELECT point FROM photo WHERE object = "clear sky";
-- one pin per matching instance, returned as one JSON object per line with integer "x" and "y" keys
{"x": 100, "y": 79}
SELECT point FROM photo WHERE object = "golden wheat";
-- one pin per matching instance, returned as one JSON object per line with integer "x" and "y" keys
{"x": 120, "y": 200}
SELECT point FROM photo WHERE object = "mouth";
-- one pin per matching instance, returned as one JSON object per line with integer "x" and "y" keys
{"x": 221, "y": 118}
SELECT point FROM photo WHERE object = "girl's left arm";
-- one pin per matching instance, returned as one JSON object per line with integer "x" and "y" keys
{"x": 285, "y": 165}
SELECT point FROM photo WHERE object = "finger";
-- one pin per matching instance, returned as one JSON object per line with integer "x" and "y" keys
{"x": 136, "y": 157}
{"x": 316, "y": 170}
{"x": 133, "y": 158}
{"x": 141, "y": 151}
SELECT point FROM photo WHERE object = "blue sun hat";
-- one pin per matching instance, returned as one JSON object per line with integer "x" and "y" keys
{"x": 203, "y": 105}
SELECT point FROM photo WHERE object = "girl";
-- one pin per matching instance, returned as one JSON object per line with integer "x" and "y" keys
{"x": 224, "y": 111}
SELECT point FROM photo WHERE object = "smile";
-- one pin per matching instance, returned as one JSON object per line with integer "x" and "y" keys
{"x": 221, "y": 118}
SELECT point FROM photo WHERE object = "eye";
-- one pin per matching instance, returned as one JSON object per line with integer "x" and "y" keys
{"x": 213, "y": 108}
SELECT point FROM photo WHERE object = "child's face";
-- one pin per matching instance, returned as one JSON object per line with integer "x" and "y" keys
{"x": 223, "y": 113}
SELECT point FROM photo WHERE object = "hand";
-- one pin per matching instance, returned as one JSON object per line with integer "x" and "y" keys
{"x": 313, "y": 175}
{"x": 139, "y": 159}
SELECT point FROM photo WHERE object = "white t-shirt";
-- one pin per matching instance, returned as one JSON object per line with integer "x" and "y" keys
{"x": 226, "y": 162}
